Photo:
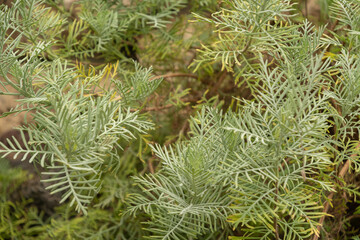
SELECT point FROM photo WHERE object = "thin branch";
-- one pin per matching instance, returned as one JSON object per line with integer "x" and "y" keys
{"x": 147, "y": 109}
{"x": 276, "y": 226}
{"x": 342, "y": 173}
{"x": 167, "y": 106}
{"x": 169, "y": 75}
{"x": 150, "y": 164}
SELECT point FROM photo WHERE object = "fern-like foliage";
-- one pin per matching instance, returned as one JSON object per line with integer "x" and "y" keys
{"x": 262, "y": 171}
{"x": 274, "y": 150}
{"x": 347, "y": 14}
{"x": 109, "y": 29}
{"x": 76, "y": 133}
{"x": 187, "y": 199}
{"x": 282, "y": 141}
{"x": 137, "y": 84}
{"x": 245, "y": 27}
{"x": 79, "y": 120}
{"x": 346, "y": 92}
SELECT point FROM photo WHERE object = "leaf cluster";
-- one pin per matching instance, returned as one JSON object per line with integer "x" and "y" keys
{"x": 264, "y": 167}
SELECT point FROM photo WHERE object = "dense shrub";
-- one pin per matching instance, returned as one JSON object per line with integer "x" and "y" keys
{"x": 170, "y": 119}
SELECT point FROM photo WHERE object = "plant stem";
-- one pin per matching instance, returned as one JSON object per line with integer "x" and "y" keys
{"x": 175, "y": 75}
{"x": 277, "y": 237}
{"x": 342, "y": 173}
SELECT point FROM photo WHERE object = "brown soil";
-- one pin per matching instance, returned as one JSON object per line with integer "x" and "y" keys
{"x": 11, "y": 121}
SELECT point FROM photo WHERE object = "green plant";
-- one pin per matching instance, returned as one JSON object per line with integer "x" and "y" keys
{"x": 79, "y": 119}
{"x": 280, "y": 147}
{"x": 268, "y": 165}
{"x": 109, "y": 29}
